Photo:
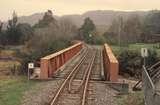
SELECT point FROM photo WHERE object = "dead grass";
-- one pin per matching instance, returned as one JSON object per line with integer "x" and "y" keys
{"x": 135, "y": 98}
{"x": 7, "y": 66}
{"x": 7, "y": 53}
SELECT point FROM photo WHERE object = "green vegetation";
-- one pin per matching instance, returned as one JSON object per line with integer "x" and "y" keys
{"x": 87, "y": 30}
{"x": 136, "y": 47}
{"x": 35, "y": 53}
{"x": 47, "y": 19}
{"x": 152, "y": 23}
{"x": 16, "y": 33}
{"x": 135, "y": 29}
{"x": 131, "y": 99}
{"x": 89, "y": 34}
{"x": 130, "y": 60}
{"x": 130, "y": 63}
{"x": 47, "y": 36}
{"x": 13, "y": 89}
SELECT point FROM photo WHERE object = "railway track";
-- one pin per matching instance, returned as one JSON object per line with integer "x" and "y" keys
{"x": 61, "y": 73}
{"x": 73, "y": 91}
{"x": 97, "y": 70}
{"x": 76, "y": 83}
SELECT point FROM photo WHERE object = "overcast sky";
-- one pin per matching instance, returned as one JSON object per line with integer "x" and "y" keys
{"x": 61, "y": 7}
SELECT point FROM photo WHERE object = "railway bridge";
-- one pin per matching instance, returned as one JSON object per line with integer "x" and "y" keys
{"x": 83, "y": 71}
{"x": 51, "y": 64}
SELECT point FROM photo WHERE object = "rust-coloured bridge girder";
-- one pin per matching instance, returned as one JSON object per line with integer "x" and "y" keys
{"x": 51, "y": 63}
{"x": 110, "y": 64}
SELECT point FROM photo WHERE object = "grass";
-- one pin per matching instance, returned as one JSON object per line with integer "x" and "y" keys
{"x": 131, "y": 99}
{"x": 137, "y": 47}
{"x": 13, "y": 89}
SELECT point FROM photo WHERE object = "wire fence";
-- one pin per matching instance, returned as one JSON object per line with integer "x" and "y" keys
{"x": 151, "y": 95}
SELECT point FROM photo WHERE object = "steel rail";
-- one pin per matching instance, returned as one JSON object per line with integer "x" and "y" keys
{"x": 72, "y": 78}
{"x": 81, "y": 84}
{"x": 87, "y": 80}
{"x": 53, "y": 101}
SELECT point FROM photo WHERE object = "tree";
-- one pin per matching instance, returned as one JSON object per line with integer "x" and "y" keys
{"x": 87, "y": 31}
{"x": 115, "y": 31}
{"x": 1, "y": 33}
{"x": 132, "y": 29}
{"x": 53, "y": 36}
{"x": 67, "y": 28}
{"x": 152, "y": 23}
{"x": 151, "y": 27}
{"x": 25, "y": 31}
{"x": 46, "y": 20}
{"x": 1, "y": 25}
{"x": 124, "y": 32}
{"x": 12, "y": 36}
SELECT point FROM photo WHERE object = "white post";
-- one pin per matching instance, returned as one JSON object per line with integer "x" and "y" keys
{"x": 30, "y": 66}
{"x": 144, "y": 54}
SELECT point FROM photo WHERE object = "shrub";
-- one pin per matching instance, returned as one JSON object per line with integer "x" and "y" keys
{"x": 34, "y": 54}
{"x": 152, "y": 58}
{"x": 131, "y": 99}
{"x": 98, "y": 39}
{"x": 131, "y": 62}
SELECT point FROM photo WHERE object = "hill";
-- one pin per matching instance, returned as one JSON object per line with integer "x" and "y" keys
{"x": 101, "y": 18}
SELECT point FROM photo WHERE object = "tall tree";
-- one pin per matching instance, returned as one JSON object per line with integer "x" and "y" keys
{"x": 125, "y": 31}
{"x": 86, "y": 32}
{"x": 152, "y": 22}
{"x": 151, "y": 25}
{"x": 12, "y": 36}
{"x": 1, "y": 25}
{"x": 66, "y": 27}
{"x": 115, "y": 31}
{"x": 132, "y": 29}
{"x": 46, "y": 20}
{"x": 1, "y": 34}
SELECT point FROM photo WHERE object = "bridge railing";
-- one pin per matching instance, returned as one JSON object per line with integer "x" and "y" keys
{"x": 51, "y": 63}
{"x": 111, "y": 65}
